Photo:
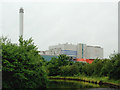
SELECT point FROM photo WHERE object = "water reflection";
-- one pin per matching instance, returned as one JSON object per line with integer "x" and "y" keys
{"x": 77, "y": 85}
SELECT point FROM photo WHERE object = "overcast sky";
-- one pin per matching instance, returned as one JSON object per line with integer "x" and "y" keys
{"x": 91, "y": 23}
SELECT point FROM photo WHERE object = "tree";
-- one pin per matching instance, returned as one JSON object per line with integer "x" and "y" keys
{"x": 53, "y": 67}
{"x": 115, "y": 67}
{"x": 106, "y": 67}
{"x": 63, "y": 60}
{"x": 22, "y": 65}
{"x": 55, "y": 64}
{"x": 88, "y": 69}
{"x": 69, "y": 70}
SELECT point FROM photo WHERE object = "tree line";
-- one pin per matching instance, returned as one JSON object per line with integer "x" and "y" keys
{"x": 100, "y": 67}
{"x": 23, "y": 67}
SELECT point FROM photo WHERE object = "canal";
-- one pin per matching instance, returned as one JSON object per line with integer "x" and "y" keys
{"x": 79, "y": 85}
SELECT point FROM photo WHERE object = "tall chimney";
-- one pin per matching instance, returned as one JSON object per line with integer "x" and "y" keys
{"x": 21, "y": 12}
{"x": 119, "y": 27}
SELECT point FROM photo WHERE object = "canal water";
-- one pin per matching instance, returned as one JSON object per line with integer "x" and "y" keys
{"x": 75, "y": 85}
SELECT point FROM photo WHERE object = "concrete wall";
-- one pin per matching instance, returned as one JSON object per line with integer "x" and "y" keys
{"x": 64, "y": 47}
{"x": 84, "y": 50}
{"x": 59, "y": 49}
{"x": 69, "y": 47}
{"x": 93, "y": 52}
{"x": 55, "y": 51}
{"x": 80, "y": 50}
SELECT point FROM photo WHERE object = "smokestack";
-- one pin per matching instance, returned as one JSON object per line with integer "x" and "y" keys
{"x": 21, "y": 12}
{"x": 119, "y": 27}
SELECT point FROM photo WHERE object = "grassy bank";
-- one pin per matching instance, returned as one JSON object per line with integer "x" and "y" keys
{"x": 90, "y": 79}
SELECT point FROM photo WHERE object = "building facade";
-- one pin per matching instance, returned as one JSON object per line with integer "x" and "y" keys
{"x": 77, "y": 51}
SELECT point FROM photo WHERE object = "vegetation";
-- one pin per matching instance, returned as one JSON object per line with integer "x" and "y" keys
{"x": 109, "y": 68}
{"x": 88, "y": 78}
{"x": 23, "y": 67}
{"x": 54, "y": 65}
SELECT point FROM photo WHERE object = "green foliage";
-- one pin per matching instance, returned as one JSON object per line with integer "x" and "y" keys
{"x": 63, "y": 66}
{"x": 99, "y": 68}
{"x": 79, "y": 66}
{"x": 69, "y": 70}
{"x": 53, "y": 67}
{"x": 55, "y": 64}
{"x": 106, "y": 67}
{"x": 115, "y": 67}
{"x": 88, "y": 69}
{"x": 105, "y": 70}
{"x": 63, "y": 60}
{"x": 23, "y": 67}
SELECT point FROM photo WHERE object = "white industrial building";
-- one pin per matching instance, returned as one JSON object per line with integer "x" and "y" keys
{"x": 77, "y": 51}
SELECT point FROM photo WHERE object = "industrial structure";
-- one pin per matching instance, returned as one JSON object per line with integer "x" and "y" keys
{"x": 80, "y": 52}
{"x": 118, "y": 27}
{"x": 76, "y": 51}
{"x": 21, "y": 12}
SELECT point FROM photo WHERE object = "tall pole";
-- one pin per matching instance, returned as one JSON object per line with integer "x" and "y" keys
{"x": 118, "y": 27}
{"x": 21, "y": 12}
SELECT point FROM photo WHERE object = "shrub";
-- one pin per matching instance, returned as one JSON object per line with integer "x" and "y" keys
{"x": 115, "y": 67}
{"x": 22, "y": 65}
{"x": 55, "y": 64}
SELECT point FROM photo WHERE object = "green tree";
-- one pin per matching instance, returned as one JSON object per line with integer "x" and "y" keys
{"x": 88, "y": 69}
{"x": 55, "y": 64}
{"x": 69, "y": 70}
{"x": 53, "y": 67}
{"x": 22, "y": 65}
{"x": 106, "y": 67}
{"x": 80, "y": 66}
{"x": 63, "y": 60}
{"x": 97, "y": 67}
{"x": 115, "y": 67}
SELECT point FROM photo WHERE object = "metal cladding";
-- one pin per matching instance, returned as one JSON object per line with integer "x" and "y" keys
{"x": 21, "y": 10}
{"x": 78, "y": 51}
{"x": 69, "y": 52}
{"x": 85, "y": 60}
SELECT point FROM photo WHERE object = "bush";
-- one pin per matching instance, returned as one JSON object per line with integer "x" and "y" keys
{"x": 115, "y": 67}
{"x": 69, "y": 70}
{"x": 88, "y": 69}
{"x": 22, "y": 65}
{"x": 55, "y": 64}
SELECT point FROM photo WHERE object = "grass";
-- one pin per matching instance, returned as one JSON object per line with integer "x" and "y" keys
{"x": 90, "y": 78}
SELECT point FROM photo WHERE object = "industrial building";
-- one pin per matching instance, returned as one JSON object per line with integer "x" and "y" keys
{"x": 79, "y": 51}
{"x": 76, "y": 51}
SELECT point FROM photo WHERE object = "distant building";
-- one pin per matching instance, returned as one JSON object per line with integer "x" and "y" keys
{"x": 49, "y": 57}
{"x": 84, "y": 60}
{"x": 76, "y": 51}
